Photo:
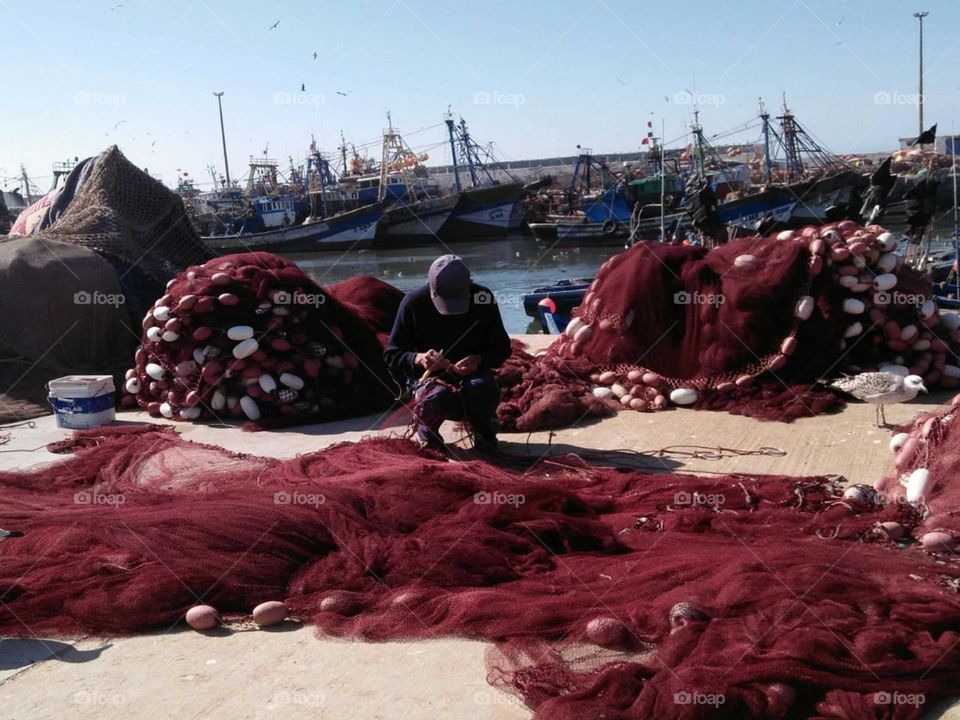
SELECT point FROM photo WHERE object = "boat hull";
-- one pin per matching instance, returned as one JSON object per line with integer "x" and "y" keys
{"x": 354, "y": 229}
{"x": 561, "y": 230}
{"x": 485, "y": 212}
{"x": 808, "y": 203}
{"x": 565, "y": 298}
{"x": 415, "y": 224}
{"x": 580, "y": 231}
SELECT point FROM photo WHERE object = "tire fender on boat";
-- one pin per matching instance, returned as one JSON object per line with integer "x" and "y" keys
{"x": 609, "y": 227}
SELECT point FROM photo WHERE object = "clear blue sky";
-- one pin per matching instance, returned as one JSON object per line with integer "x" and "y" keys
{"x": 555, "y": 73}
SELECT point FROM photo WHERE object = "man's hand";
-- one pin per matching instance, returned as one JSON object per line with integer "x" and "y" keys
{"x": 468, "y": 365}
{"x": 432, "y": 360}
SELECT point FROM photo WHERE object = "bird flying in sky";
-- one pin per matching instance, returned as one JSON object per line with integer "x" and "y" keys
{"x": 274, "y": 25}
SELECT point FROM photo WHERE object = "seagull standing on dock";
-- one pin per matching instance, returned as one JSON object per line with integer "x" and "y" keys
{"x": 881, "y": 388}
{"x": 4, "y": 534}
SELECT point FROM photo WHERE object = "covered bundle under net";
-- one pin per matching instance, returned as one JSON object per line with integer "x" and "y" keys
{"x": 748, "y": 327}
{"x": 80, "y": 267}
{"x": 111, "y": 206}
{"x": 607, "y": 594}
{"x": 250, "y": 335}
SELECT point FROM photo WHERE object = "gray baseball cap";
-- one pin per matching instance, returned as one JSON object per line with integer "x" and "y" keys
{"x": 449, "y": 280}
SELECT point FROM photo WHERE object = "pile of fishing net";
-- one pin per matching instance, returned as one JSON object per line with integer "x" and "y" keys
{"x": 79, "y": 269}
{"x": 749, "y": 327}
{"x": 925, "y": 471}
{"x": 250, "y": 335}
{"x": 607, "y": 594}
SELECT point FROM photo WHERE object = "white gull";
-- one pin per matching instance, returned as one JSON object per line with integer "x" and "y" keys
{"x": 881, "y": 388}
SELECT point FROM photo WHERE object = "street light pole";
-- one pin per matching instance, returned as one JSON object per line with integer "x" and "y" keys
{"x": 920, "y": 16}
{"x": 223, "y": 137}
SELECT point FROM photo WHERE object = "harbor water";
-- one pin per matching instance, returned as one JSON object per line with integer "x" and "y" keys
{"x": 510, "y": 267}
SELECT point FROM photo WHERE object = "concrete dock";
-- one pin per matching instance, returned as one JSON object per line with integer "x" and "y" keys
{"x": 290, "y": 673}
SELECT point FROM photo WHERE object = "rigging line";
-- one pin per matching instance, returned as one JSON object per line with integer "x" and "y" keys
{"x": 369, "y": 143}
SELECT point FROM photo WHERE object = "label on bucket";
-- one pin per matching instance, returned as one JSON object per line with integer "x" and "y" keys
{"x": 75, "y": 406}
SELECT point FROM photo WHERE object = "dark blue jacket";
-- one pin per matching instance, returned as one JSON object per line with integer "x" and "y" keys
{"x": 419, "y": 327}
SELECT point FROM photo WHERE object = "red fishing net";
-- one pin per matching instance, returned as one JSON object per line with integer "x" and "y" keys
{"x": 926, "y": 463}
{"x": 608, "y": 594}
{"x": 250, "y": 335}
{"x": 748, "y": 327}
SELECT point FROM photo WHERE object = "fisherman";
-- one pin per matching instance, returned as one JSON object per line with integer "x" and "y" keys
{"x": 447, "y": 340}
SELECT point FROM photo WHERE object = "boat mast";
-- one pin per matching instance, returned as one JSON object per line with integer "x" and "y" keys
{"x": 343, "y": 152}
{"x": 465, "y": 143}
{"x": 698, "y": 158}
{"x": 223, "y": 137}
{"x": 765, "y": 116}
{"x": 393, "y": 150}
{"x": 953, "y": 169}
{"x": 322, "y": 169}
{"x": 25, "y": 181}
{"x": 789, "y": 129}
{"x": 448, "y": 118}
{"x": 663, "y": 187}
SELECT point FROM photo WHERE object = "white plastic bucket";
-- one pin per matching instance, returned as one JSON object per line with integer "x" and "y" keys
{"x": 82, "y": 401}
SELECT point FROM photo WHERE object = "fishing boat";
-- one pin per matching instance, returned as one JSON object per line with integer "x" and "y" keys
{"x": 487, "y": 207}
{"x": 566, "y": 295}
{"x": 415, "y": 223}
{"x": 409, "y": 217}
{"x": 619, "y": 208}
{"x": 352, "y": 229}
{"x": 809, "y": 186}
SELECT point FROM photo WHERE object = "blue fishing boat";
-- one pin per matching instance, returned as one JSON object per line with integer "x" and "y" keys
{"x": 564, "y": 296}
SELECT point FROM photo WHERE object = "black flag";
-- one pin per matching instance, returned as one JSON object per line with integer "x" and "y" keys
{"x": 927, "y": 137}
{"x": 881, "y": 176}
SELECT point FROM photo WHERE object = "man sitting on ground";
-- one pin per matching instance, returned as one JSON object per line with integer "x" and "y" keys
{"x": 447, "y": 339}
